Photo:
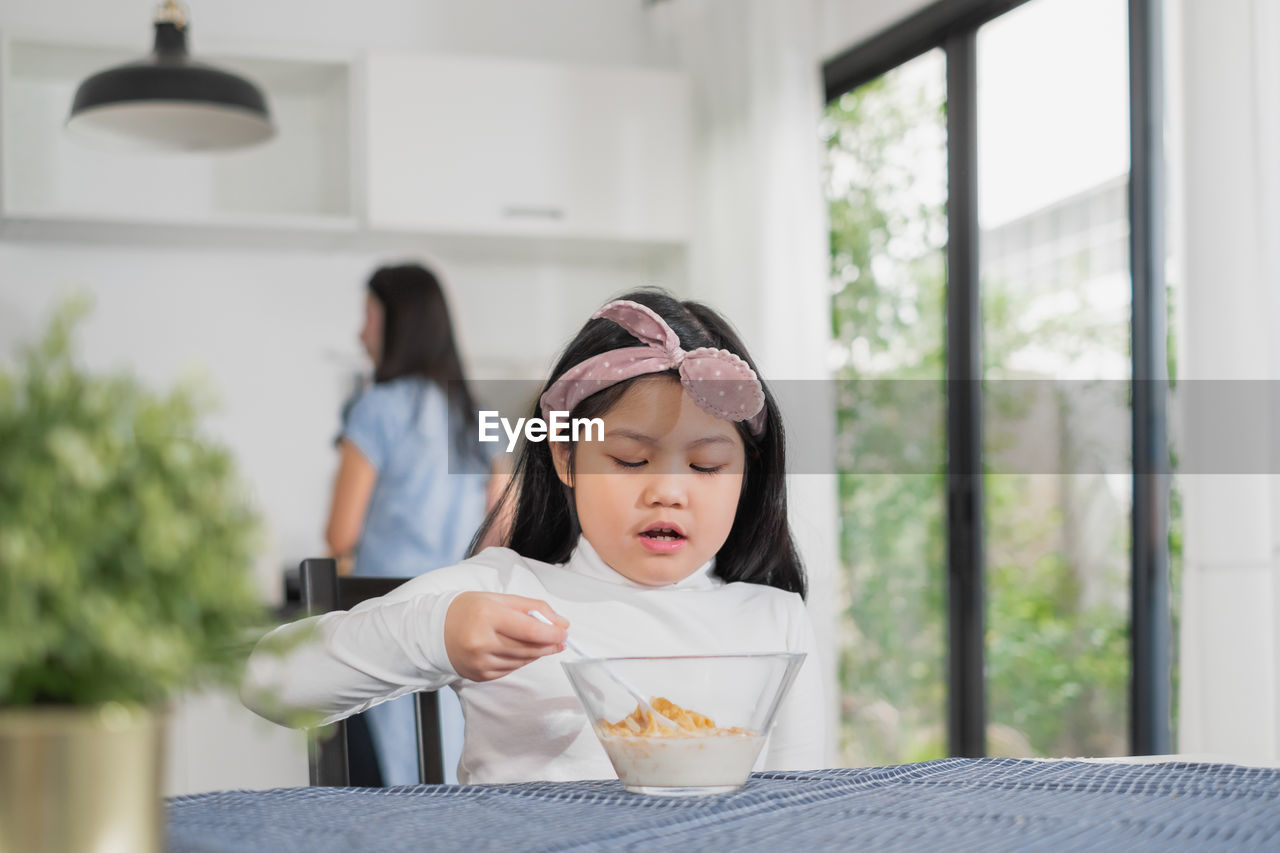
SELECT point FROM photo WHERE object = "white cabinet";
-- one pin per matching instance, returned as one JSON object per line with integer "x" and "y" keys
{"x": 471, "y": 145}
{"x": 299, "y": 180}
{"x": 485, "y": 155}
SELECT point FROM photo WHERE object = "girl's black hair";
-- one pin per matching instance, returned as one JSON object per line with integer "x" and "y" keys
{"x": 417, "y": 340}
{"x": 544, "y": 525}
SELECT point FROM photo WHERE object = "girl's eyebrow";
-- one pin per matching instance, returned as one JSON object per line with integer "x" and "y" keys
{"x": 650, "y": 440}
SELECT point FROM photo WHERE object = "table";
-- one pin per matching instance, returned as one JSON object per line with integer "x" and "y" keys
{"x": 952, "y": 804}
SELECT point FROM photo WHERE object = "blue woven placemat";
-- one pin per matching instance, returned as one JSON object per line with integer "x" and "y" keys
{"x": 953, "y": 804}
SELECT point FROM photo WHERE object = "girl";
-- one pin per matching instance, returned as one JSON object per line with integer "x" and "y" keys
{"x": 667, "y": 537}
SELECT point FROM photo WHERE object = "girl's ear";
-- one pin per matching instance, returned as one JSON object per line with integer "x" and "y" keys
{"x": 560, "y": 458}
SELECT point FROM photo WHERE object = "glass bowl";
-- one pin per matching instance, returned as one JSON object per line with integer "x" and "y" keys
{"x": 734, "y": 699}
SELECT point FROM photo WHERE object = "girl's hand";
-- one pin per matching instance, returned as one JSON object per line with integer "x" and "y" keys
{"x": 488, "y": 635}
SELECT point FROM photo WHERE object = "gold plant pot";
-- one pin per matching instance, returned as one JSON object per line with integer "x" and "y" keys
{"x": 81, "y": 780}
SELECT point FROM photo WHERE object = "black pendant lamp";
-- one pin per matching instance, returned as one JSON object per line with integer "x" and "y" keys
{"x": 169, "y": 102}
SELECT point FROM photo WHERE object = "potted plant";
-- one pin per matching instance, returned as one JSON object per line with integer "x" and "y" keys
{"x": 125, "y": 547}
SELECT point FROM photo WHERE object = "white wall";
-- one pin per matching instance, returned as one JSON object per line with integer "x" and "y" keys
{"x": 591, "y": 31}
{"x": 275, "y": 330}
{"x": 845, "y": 23}
{"x": 1226, "y": 241}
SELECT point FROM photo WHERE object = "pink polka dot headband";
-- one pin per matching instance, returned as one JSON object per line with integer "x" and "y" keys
{"x": 720, "y": 382}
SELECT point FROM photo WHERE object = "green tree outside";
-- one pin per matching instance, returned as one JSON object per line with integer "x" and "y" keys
{"x": 1057, "y": 658}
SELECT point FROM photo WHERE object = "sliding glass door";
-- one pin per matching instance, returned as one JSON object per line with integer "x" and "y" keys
{"x": 1056, "y": 297}
{"x": 886, "y": 188}
{"x": 988, "y": 324}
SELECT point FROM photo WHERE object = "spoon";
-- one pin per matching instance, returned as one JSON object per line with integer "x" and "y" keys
{"x": 627, "y": 685}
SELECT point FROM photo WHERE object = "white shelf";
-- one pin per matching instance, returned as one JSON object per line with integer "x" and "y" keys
{"x": 486, "y": 158}
{"x": 301, "y": 178}
{"x": 340, "y": 234}
{"x": 248, "y": 231}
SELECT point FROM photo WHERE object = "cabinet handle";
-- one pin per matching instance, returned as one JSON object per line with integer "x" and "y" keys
{"x": 531, "y": 212}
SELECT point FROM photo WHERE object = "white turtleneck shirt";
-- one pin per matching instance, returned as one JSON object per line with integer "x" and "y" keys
{"x": 529, "y": 725}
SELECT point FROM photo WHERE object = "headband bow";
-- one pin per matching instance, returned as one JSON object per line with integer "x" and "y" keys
{"x": 720, "y": 382}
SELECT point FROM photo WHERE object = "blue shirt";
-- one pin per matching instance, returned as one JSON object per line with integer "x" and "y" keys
{"x": 428, "y": 500}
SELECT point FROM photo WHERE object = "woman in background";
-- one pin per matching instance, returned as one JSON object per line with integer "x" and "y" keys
{"x": 412, "y": 483}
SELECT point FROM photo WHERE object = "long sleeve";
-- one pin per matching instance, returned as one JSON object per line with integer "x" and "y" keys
{"x": 331, "y": 666}
{"x": 529, "y": 724}
{"x": 798, "y": 740}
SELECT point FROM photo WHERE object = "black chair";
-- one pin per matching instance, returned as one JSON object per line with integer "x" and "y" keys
{"x": 323, "y": 590}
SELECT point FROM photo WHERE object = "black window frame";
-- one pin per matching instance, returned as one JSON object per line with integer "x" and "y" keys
{"x": 952, "y": 25}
